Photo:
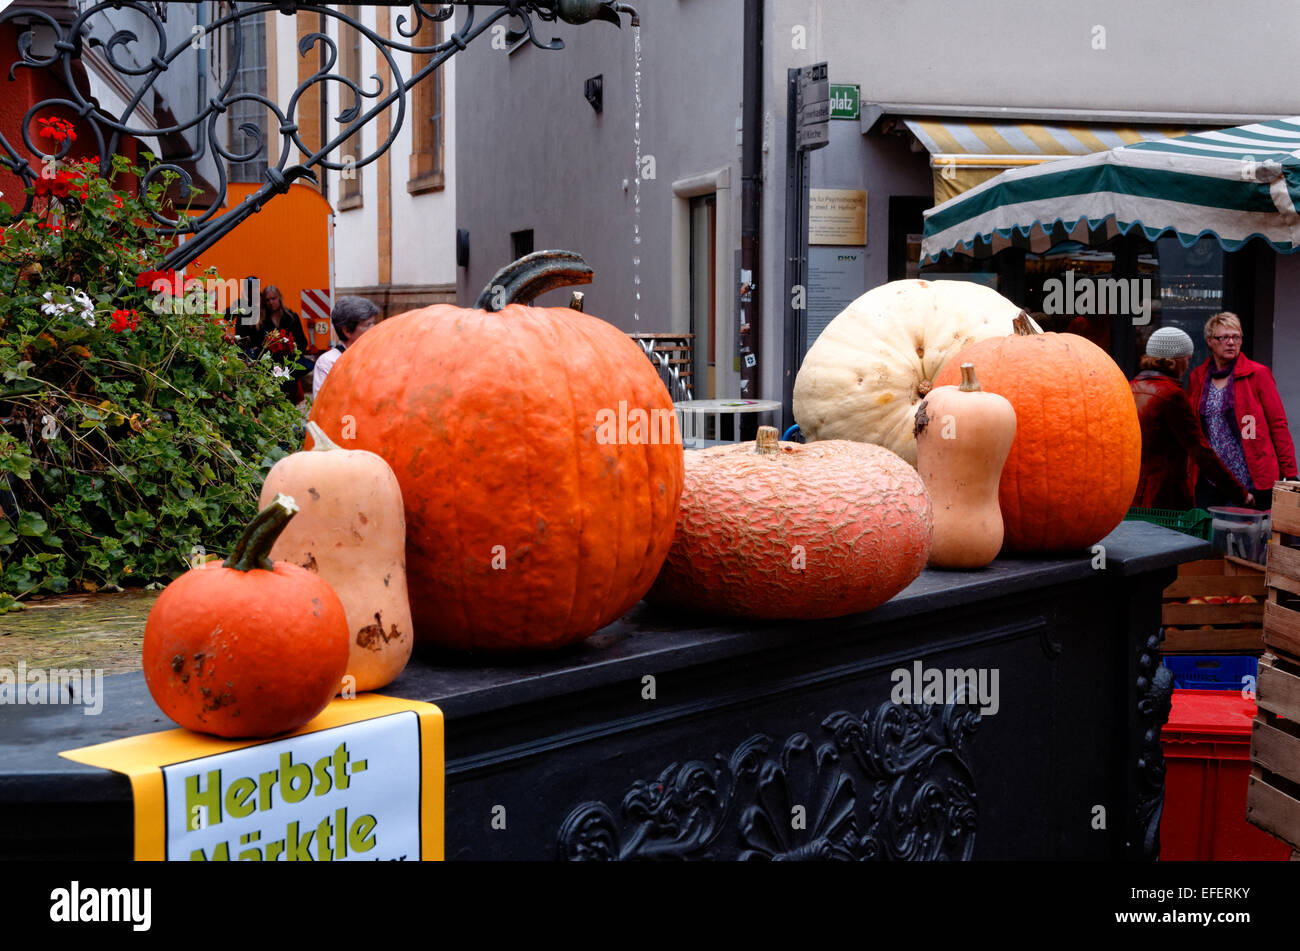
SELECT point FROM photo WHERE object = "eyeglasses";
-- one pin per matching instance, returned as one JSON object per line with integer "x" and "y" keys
{"x": 1228, "y": 338}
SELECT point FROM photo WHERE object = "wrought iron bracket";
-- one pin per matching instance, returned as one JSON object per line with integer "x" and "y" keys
{"x": 145, "y": 65}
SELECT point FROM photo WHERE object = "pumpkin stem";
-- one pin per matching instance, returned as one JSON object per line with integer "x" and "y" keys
{"x": 254, "y": 545}
{"x": 576, "y": 301}
{"x": 319, "y": 439}
{"x": 968, "y": 382}
{"x": 1023, "y": 325}
{"x": 531, "y": 276}
{"x": 767, "y": 441}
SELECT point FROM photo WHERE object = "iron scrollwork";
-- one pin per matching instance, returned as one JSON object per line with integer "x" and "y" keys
{"x": 1155, "y": 692}
{"x": 128, "y": 54}
{"x": 889, "y": 786}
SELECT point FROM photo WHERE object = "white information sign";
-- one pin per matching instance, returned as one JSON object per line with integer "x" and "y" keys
{"x": 347, "y": 793}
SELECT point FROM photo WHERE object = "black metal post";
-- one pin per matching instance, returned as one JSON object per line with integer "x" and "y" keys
{"x": 751, "y": 196}
{"x": 796, "y": 231}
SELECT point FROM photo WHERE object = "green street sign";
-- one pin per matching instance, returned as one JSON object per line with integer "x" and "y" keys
{"x": 844, "y": 102}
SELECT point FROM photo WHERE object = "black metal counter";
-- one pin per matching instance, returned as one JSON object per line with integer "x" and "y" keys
{"x": 671, "y": 737}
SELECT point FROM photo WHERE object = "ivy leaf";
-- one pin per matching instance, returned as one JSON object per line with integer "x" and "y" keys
{"x": 29, "y": 523}
{"x": 19, "y": 372}
{"x": 19, "y": 464}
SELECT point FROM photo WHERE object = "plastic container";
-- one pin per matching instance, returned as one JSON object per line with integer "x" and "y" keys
{"x": 1212, "y": 671}
{"x": 1240, "y": 532}
{"x": 1193, "y": 522}
{"x": 1207, "y": 770}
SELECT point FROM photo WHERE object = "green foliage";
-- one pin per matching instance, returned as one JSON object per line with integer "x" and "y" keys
{"x": 128, "y": 441}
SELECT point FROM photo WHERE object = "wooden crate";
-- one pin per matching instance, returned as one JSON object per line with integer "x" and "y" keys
{"x": 1273, "y": 797}
{"x": 1282, "y": 612}
{"x": 1214, "y": 628}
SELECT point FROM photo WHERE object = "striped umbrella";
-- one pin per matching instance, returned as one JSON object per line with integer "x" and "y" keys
{"x": 1234, "y": 184}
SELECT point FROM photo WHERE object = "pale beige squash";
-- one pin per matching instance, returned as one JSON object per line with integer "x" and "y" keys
{"x": 878, "y": 358}
{"x": 963, "y": 436}
{"x": 351, "y": 531}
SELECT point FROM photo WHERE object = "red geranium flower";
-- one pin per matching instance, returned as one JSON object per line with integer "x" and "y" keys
{"x": 52, "y": 127}
{"x": 123, "y": 320}
{"x": 59, "y": 187}
{"x": 279, "y": 342}
{"x": 147, "y": 278}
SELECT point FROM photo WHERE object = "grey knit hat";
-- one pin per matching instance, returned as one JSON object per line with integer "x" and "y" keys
{"x": 1170, "y": 343}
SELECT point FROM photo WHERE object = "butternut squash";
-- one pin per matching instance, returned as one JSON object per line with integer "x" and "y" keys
{"x": 351, "y": 531}
{"x": 963, "y": 436}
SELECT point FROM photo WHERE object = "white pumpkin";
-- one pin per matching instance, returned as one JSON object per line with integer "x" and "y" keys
{"x": 872, "y": 365}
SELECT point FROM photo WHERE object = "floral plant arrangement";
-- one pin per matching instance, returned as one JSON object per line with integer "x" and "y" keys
{"x": 134, "y": 438}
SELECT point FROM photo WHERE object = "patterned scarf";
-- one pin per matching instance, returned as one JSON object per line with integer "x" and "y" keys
{"x": 1229, "y": 399}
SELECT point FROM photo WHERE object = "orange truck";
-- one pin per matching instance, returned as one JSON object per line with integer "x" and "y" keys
{"x": 289, "y": 244}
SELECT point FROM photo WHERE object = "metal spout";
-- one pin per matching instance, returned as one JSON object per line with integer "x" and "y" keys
{"x": 629, "y": 10}
{"x": 583, "y": 11}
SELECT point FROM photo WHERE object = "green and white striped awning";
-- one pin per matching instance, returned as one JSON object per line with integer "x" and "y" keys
{"x": 1234, "y": 184}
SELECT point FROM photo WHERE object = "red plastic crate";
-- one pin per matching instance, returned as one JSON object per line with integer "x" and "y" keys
{"x": 1207, "y": 771}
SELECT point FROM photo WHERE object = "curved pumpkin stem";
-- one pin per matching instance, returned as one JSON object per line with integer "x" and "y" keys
{"x": 531, "y": 276}
{"x": 1024, "y": 327}
{"x": 253, "y": 548}
{"x": 318, "y": 438}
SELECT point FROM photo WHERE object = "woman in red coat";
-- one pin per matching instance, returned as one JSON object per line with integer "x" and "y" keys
{"x": 1171, "y": 436}
{"x": 1245, "y": 422}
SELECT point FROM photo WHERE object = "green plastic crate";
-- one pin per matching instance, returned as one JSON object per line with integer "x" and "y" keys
{"x": 1195, "y": 522}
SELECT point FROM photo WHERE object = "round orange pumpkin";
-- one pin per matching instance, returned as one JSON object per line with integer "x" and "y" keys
{"x": 246, "y": 648}
{"x": 784, "y": 530}
{"x": 537, "y": 453}
{"x": 1073, "y": 466}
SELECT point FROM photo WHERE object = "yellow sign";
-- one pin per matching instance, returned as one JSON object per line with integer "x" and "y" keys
{"x": 837, "y": 216}
{"x": 362, "y": 781}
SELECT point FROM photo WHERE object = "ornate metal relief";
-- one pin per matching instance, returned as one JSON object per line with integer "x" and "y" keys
{"x": 142, "y": 60}
{"x": 889, "y": 786}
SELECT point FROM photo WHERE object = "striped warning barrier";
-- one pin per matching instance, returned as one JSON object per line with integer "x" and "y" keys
{"x": 316, "y": 306}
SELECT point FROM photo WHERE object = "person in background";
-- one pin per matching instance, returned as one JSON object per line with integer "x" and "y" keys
{"x": 279, "y": 330}
{"x": 352, "y": 316}
{"x": 1171, "y": 435}
{"x": 275, "y": 316}
{"x": 1245, "y": 422}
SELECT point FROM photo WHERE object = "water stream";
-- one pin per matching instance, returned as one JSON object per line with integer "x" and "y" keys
{"x": 636, "y": 186}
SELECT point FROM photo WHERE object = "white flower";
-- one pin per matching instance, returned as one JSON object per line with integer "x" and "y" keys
{"x": 280, "y": 372}
{"x": 52, "y": 309}
{"x": 86, "y": 304}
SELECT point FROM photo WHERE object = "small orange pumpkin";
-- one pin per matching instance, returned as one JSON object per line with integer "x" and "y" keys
{"x": 244, "y": 648}
{"x": 1073, "y": 466}
{"x": 784, "y": 530}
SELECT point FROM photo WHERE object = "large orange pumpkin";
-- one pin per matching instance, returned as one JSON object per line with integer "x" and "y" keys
{"x": 537, "y": 454}
{"x": 1073, "y": 467}
{"x": 784, "y": 530}
{"x": 246, "y": 647}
